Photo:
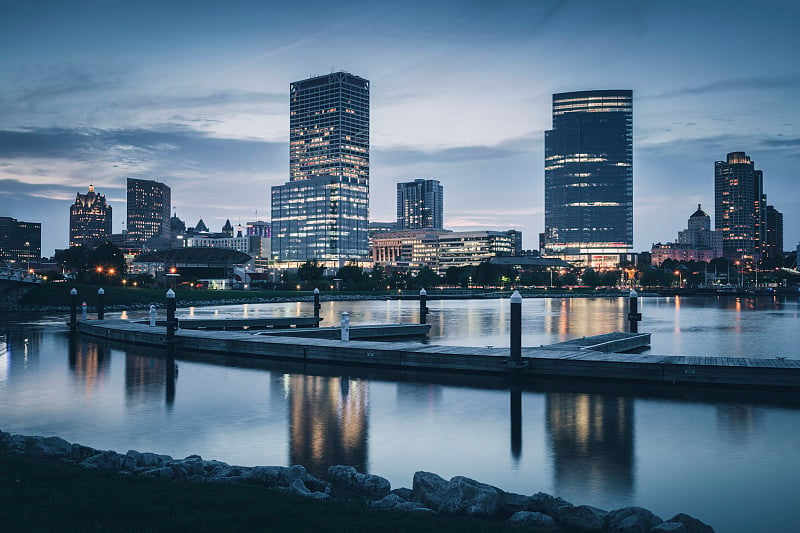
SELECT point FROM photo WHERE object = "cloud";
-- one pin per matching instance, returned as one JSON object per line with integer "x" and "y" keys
{"x": 735, "y": 84}
{"x": 398, "y": 156}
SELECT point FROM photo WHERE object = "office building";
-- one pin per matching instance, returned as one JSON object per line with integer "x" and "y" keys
{"x": 470, "y": 248}
{"x": 20, "y": 242}
{"x": 773, "y": 248}
{"x": 420, "y": 204}
{"x": 696, "y": 243}
{"x": 89, "y": 220}
{"x": 589, "y": 177}
{"x": 322, "y": 212}
{"x": 149, "y": 206}
{"x": 409, "y": 250}
{"x": 739, "y": 206}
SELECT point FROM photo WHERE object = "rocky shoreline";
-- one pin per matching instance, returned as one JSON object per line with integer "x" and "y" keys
{"x": 430, "y": 493}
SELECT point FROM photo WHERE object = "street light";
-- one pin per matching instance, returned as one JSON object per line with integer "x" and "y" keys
{"x": 28, "y": 246}
{"x": 680, "y": 278}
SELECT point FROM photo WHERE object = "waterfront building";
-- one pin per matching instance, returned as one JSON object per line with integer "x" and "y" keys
{"x": 589, "y": 177}
{"x": 149, "y": 207}
{"x": 406, "y": 250}
{"x": 239, "y": 243}
{"x": 470, "y": 248}
{"x": 773, "y": 248}
{"x": 696, "y": 243}
{"x": 322, "y": 212}
{"x": 89, "y": 220}
{"x": 739, "y": 208}
{"x": 20, "y": 242}
{"x": 420, "y": 204}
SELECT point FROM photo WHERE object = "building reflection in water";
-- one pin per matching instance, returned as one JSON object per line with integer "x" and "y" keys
{"x": 738, "y": 422}
{"x": 592, "y": 440}
{"x": 150, "y": 377}
{"x": 18, "y": 351}
{"x": 89, "y": 362}
{"x": 328, "y": 422}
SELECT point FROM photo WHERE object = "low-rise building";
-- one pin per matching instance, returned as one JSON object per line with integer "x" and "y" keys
{"x": 696, "y": 243}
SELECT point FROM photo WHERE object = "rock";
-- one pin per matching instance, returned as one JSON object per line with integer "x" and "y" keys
{"x": 151, "y": 460}
{"x": 669, "y": 527}
{"x": 511, "y": 503}
{"x": 315, "y": 484}
{"x": 532, "y": 519}
{"x": 469, "y": 497}
{"x": 163, "y": 472}
{"x": 191, "y": 466}
{"x": 293, "y": 473}
{"x": 413, "y": 507}
{"x": 40, "y": 446}
{"x": 583, "y": 518}
{"x": 347, "y": 482}
{"x": 429, "y": 489}
{"x": 269, "y": 476}
{"x": 79, "y": 452}
{"x": 298, "y": 487}
{"x": 388, "y": 503}
{"x": 692, "y": 524}
{"x": 545, "y": 503}
{"x": 631, "y": 520}
{"x": 4, "y": 440}
{"x": 404, "y": 494}
{"x": 108, "y": 460}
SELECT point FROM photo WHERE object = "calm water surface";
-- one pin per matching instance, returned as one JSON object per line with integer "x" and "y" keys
{"x": 728, "y": 457}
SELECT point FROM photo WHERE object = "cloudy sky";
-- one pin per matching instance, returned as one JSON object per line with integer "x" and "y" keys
{"x": 196, "y": 95}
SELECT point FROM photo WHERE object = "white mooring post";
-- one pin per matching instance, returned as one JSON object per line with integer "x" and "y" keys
{"x": 84, "y": 312}
{"x": 345, "y": 326}
{"x": 152, "y": 315}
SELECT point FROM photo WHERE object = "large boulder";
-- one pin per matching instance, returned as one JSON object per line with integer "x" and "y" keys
{"x": 429, "y": 489}
{"x": 631, "y": 520}
{"x": 692, "y": 524}
{"x": 511, "y": 503}
{"x": 39, "y": 446}
{"x": 163, "y": 472}
{"x": 669, "y": 527}
{"x": 404, "y": 494}
{"x": 5, "y": 438}
{"x": 542, "y": 502}
{"x": 79, "y": 453}
{"x": 469, "y": 497}
{"x": 583, "y": 518}
{"x": 533, "y": 520}
{"x": 298, "y": 487}
{"x": 108, "y": 460}
{"x": 347, "y": 482}
{"x": 269, "y": 476}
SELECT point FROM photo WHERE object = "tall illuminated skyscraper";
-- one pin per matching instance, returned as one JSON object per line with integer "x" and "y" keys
{"x": 322, "y": 212}
{"x": 149, "y": 205}
{"x": 739, "y": 206}
{"x": 89, "y": 219}
{"x": 420, "y": 204}
{"x": 588, "y": 177}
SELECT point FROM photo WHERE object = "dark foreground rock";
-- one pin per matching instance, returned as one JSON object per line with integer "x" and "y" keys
{"x": 430, "y": 493}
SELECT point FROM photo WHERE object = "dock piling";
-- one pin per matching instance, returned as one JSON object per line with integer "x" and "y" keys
{"x": 152, "y": 315}
{"x": 634, "y": 316}
{"x": 101, "y": 311}
{"x": 516, "y": 328}
{"x": 317, "y": 305}
{"x": 171, "y": 322}
{"x": 84, "y": 311}
{"x": 423, "y": 306}
{"x": 73, "y": 310}
{"x": 345, "y": 326}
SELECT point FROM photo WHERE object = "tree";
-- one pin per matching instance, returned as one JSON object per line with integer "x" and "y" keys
{"x": 425, "y": 279}
{"x": 352, "y": 277}
{"x": 107, "y": 263}
{"x": 74, "y": 259}
{"x": 310, "y": 272}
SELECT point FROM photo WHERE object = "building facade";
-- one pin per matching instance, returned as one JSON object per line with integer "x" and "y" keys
{"x": 470, "y": 248}
{"x": 773, "y": 248}
{"x": 89, "y": 220}
{"x": 406, "y": 250}
{"x": 696, "y": 243}
{"x": 589, "y": 177}
{"x": 20, "y": 242}
{"x": 149, "y": 207}
{"x": 322, "y": 212}
{"x": 420, "y": 204}
{"x": 739, "y": 206}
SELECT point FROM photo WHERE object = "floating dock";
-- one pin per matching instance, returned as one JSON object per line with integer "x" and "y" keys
{"x": 565, "y": 360}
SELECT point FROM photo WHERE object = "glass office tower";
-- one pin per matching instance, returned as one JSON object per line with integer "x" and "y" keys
{"x": 739, "y": 206}
{"x": 589, "y": 177}
{"x": 322, "y": 212}
{"x": 420, "y": 204}
{"x": 148, "y": 209}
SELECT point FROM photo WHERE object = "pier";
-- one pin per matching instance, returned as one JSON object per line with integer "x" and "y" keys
{"x": 572, "y": 360}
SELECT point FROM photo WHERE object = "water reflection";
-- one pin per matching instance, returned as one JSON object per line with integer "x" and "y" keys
{"x": 739, "y": 422}
{"x": 328, "y": 422}
{"x": 592, "y": 444}
{"x": 89, "y": 363}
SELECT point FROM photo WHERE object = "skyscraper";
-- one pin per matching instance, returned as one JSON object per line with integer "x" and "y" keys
{"x": 739, "y": 206}
{"x": 20, "y": 242}
{"x": 322, "y": 212}
{"x": 89, "y": 219}
{"x": 589, "y": 176}
{"x": 149, "y": 208}
{"x": 773, "y": 247}
{"x": 420, "y": 204}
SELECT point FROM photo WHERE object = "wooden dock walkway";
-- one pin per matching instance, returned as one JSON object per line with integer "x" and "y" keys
{"x": 568, "y": 362}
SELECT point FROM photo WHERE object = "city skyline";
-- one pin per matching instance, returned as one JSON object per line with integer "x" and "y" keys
{"x": 99, "y": 93}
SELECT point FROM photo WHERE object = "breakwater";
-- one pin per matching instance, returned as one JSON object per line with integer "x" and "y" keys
{"x": 429, "y": 493}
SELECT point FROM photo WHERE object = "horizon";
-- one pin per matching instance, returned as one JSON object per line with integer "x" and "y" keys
{"x": 198, "y": 99}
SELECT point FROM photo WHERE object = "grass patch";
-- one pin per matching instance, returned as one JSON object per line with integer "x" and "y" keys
{"x": 48, "y": 495}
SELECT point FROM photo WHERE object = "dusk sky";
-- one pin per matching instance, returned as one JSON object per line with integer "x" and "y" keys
{"x": 196, "y": 95}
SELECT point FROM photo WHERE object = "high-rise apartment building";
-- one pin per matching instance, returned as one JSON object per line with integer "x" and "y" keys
{"x": 149, "y": 206}
{"x": 322, "y": 212}
{"x": 739, "y": 206}
{"x": 89, "y": 219}
{"x": 420, "y": 204}
{"x": 589, "y": 176}
{"x": 20, "y": 242}
{"x": 773, "y": 247}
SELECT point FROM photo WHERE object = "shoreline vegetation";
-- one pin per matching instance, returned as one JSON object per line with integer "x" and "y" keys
{"x": 47, "y": 483}
{"x": 54, "y": 297}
